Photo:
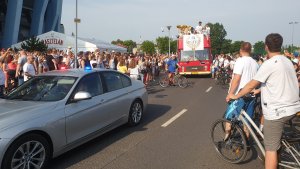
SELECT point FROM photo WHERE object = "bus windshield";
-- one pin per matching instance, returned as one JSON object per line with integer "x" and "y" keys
{"x": 194, "y": 55}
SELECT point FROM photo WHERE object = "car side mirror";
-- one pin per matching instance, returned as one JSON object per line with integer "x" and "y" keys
{"x": 81, "y": 96}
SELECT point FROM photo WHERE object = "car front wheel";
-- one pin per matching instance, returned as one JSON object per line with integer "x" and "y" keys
{"x": 135, "y": 113}
{"x": 31, "y": 151}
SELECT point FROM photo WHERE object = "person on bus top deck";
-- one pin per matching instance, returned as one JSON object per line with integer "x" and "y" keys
{"x": 172, "y": 65}
{"x": 199, "y": 28}
{"x": 279, "y": 95}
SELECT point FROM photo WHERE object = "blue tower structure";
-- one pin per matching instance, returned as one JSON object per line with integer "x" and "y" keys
{"x": 21, "y": 19}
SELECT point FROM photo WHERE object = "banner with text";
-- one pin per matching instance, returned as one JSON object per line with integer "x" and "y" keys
{"x": 193, "y": 42}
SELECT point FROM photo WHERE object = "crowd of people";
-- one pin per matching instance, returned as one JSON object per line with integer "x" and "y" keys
{"x": 227, "y": 61}
{"x": 275, "y": 77}
{"x": 19, "y": 66}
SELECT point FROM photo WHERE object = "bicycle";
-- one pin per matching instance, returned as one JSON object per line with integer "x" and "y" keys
{"x": 178, "y": 79}
{"x": 234, "y": 148}
{"x": 223, "y": 77}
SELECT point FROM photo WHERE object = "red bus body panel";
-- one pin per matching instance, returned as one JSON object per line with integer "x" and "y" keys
{"x": 200, "y": 67}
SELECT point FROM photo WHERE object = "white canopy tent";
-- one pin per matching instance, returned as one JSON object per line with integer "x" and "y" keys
{"x": 63, "y": 42}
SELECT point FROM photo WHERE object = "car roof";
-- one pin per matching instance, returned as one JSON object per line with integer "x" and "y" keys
{"x": 72, "y": 72}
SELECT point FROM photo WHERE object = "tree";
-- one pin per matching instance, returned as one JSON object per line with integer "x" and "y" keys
{"x": 217, "y": 36}
{"x": 148, "y": 47}
{"x": 130, "y": 44}
{"x": 34, "y": 44}
{"x": 173, "y": 46}
{"x": 163, "y": 44}
{"x": 118, "y": 42}
{"x": 235, "y": 46}
{"x": 259, "y": 48}
{"x": 226, "y": 46}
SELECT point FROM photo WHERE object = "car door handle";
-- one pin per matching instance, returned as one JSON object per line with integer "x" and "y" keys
{"x": 102, "y": 101}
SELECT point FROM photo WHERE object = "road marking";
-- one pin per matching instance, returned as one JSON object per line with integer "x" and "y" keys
{"x": 208, "y": 89}
{"x": 174, "y": 118}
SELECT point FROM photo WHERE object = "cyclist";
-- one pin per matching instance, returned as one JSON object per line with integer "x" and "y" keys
{"x": 279, "y": 95}
{"x": 244, "y": 70}
{"x": 172, "y": 66}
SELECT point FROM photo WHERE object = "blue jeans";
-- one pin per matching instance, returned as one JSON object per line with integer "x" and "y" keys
{"x": 20, "y": 80}
{"x": 1, "y": 91}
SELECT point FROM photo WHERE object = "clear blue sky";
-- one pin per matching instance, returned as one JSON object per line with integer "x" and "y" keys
{"x": 248, "y": 20}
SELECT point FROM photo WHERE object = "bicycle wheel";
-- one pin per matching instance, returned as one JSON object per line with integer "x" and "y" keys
{"x": 182, "y": 82}
{"x": 164, "y": 81}
{"x": 234, "y": 149}
{"x": 286, "y": 159}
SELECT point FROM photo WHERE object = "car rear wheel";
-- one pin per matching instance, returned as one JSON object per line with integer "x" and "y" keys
{"x": 135, "y": 113}
{"x": 30, "y": 151}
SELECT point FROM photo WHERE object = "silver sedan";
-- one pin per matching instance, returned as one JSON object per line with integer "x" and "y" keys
{"x": 59, "y": 110}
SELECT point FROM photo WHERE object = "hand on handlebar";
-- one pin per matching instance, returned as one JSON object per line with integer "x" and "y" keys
{"x": 230, "y": 97}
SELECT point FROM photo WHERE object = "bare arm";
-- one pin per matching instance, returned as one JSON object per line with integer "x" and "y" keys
{"x": 234, "y": 83}
{"x": 17, "y": 70}
{"x": 55, "y": 64}
{"x": 248, "y": 88}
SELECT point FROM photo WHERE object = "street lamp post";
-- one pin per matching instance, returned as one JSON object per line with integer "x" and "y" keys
{"x": 76, "y": 20}
{"x": 293, "y": 24}
{"x": 169, "y": 28}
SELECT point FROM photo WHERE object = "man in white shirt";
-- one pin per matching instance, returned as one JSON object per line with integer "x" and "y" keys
{"x": 243, "y": 72}
{"x": 19, "y": 71}
{"x": 28, "y": 68}
{"x": 199, "y": 28}
{"x": 279, "y": 95}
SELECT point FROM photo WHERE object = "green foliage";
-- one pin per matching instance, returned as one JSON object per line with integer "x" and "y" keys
{"x": 130, "y": 44}
{"x": 117, "y": 42}
{"x": 226, "y": 46}
{"x": 235, "y": 46}
{"x": 163, "y": 45}
{"x": 259, "y": 48}
{"x": 217, "y": 35}
{"x": 34, "y": 44}
{"x": 173, "y": 46}
{"x": 148, "y": 47}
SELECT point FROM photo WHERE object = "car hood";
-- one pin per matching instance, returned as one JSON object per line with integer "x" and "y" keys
{"x": 14, "y": 112}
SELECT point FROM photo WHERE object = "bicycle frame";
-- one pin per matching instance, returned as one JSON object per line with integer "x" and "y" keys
{"x": 244, "y": 117}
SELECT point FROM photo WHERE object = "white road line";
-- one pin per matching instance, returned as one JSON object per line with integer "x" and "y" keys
{"x": 208, "y": 89}
{"x": 174, "y": 118}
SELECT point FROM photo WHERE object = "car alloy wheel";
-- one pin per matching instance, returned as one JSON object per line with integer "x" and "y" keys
{"x": 31, "y": 151}
{"x": 136, "y": 112}
{"x": 29, "y": 155}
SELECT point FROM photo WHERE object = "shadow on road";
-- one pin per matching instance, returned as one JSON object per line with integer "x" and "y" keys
{"x": 98, "y": 144}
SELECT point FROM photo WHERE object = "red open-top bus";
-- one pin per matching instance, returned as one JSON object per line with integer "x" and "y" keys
{"x": 194, "y": 54}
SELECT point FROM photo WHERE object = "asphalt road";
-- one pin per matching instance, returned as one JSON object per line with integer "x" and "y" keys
{"x": 182, "y": 144}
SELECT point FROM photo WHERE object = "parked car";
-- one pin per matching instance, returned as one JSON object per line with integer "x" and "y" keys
{"x": 59, "y": 110}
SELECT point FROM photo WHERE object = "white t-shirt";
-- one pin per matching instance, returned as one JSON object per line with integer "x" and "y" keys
{"x": 279, "y": 89}
{"x": 134, "y": 72}
{"x": 296, "y": 60}
{"x": 29, "y": 68}
{"x": 247, "y": 68}
{"x": 226, "y": 63}
{"x": 221, "y": 61}
{"x": 231, "y": 63}
{"x": 198, "y": 29}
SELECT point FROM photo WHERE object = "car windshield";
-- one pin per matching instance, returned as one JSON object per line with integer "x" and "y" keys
{"x": 43, "y": 88}
{"x": 194, "y": 55}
